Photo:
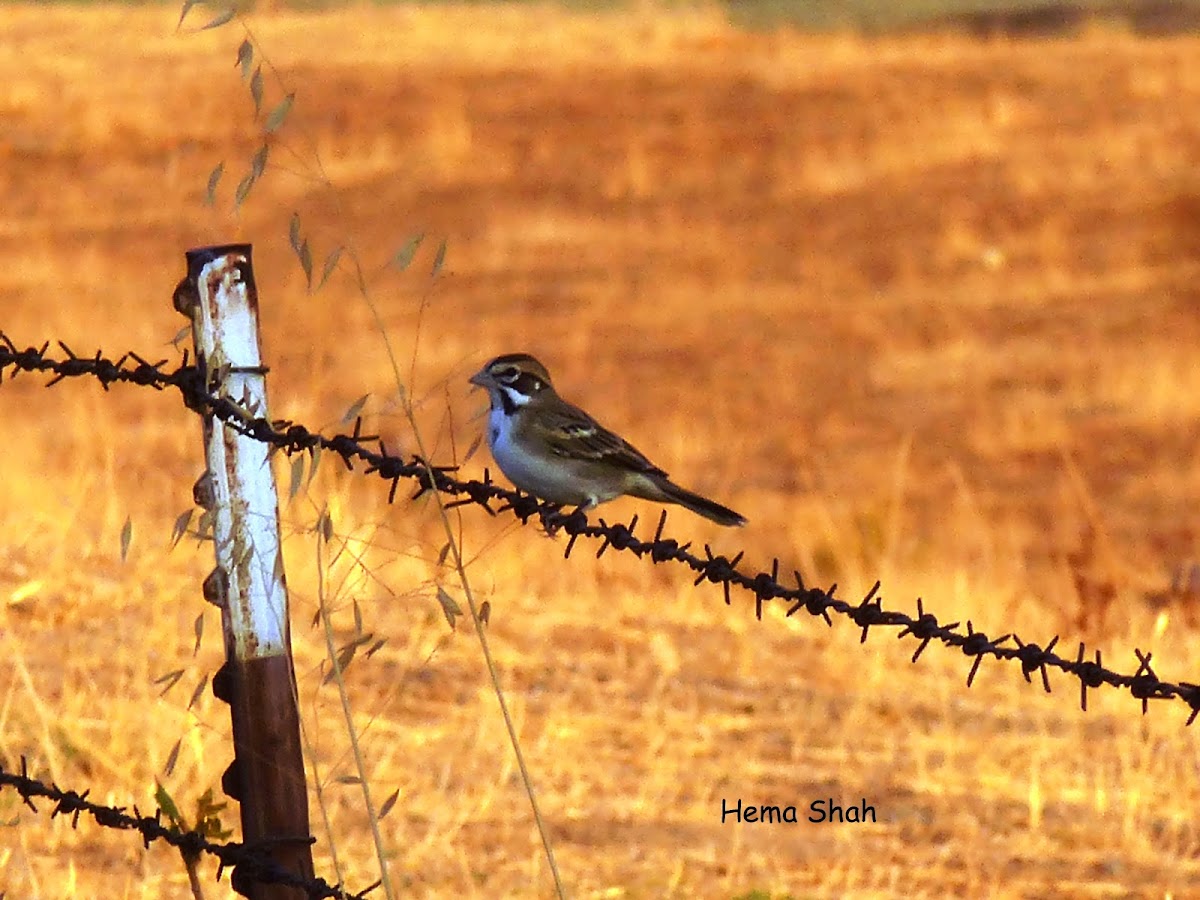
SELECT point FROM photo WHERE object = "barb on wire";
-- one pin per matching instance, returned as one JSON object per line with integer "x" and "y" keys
{"x": 253, "y": 866}
{"x": 868, "y": 613}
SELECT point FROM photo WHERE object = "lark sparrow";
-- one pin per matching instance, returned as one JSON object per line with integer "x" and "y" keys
{"x": 559, "y": 453}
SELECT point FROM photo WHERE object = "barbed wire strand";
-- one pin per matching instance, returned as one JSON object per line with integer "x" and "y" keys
{"x": 290, "y": 437}
{"x": 253, "y": 864}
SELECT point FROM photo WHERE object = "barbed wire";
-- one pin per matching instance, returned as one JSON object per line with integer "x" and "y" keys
{"x": 199, "y": 391}
{"x": 252, "y": 864}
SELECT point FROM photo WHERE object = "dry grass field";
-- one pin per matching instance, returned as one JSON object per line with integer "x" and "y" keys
{"x": 924, "y": 308}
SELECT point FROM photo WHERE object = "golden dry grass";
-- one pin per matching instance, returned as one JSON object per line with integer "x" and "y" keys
{"x": 924, "y": 308}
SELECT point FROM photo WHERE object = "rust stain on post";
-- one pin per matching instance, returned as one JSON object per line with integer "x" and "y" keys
{"x": 267, "y": 774}
{"x": 269, "y": 770}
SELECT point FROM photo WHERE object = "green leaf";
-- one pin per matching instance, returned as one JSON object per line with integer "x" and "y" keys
{"x": 277, "y": 116}
{"x": 198, "y": 692}
{"x": 355, "y": 409}
{"x": 306, "y": 262}
{"x": 404, "y": 256}
{"x": 259, "y": 162}
{"x": 316, "y": 461}
{"x": 331, "y": 262}
{"x": 187, "y": 8}
{"x": 297, "y": 476}
{"x": 438, "y": 259}
{"x": 204, "y": 525}
{"x": 214, "y": 177}
{"x": 294, "y": 233}
{"x": 243, "y": 190}
{"x": 172, "y": 758}
{"x": 170, "y": 680}
{"x": 245, "y": 57}
{"x": 126, "y": 537}
{"x": 198, "y": 627}
{"x": 474, "y": 446}
{"x": 389, "y": 803}
{"x": 208, "y": 817}
{"x": 180, "y": 527}
{"x": 207, "y": 808}
{"x": 220, "y": 19}
{"x": 167, "y": 805}
{"x": 449, "y": 607}
{"x": 345, "y": 656}
{"x": 256, "y": 89}
{"x": 180, "y": 335}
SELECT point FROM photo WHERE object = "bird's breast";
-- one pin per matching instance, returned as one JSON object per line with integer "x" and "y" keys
{"x": 537, "y": 471}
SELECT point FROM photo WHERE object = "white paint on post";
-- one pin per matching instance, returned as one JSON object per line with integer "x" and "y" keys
{"x": 246, "y": 510}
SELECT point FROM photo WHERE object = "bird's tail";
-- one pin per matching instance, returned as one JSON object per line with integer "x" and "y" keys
{"x": 669, "y": 492}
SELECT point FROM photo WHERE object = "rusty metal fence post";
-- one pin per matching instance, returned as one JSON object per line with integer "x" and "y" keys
{"x": 237, "y": 492}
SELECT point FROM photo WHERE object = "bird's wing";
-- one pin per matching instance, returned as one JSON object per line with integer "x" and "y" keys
{"x": 573, "y": 434}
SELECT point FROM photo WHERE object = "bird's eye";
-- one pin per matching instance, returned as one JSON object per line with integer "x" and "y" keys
{"x": 508, "y": 373}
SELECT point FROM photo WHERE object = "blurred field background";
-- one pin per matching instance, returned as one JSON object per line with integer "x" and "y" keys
{"x": 924, "y": 307}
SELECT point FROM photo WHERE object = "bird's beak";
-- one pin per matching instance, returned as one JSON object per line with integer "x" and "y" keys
{"x": 480, "y": 379}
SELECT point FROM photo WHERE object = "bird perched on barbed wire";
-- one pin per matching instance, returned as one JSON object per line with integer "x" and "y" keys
{"x": 556, "y": 451}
